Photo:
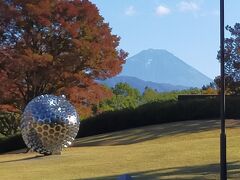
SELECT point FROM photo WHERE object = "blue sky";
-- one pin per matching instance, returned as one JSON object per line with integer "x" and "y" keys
{"x": 187, "y": 28}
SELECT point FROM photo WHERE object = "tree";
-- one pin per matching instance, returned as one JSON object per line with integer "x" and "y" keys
{"x": 209, "y": 89}
{"x": 124, "y": 97}
{"x": 55, "y": 47}
{"x": 231, "y": 60}
{"x": 124, "y": 89}
{"x": 150, "y": 95}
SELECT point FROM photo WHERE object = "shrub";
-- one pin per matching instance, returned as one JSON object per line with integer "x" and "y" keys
{"x": 9, "y": 123}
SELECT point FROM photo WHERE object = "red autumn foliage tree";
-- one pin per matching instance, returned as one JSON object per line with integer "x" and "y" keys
{"x": 55, "y": 47}
{"x": 231, "y": 61}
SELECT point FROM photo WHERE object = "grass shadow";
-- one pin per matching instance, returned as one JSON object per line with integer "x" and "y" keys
{"x": 142, "y": 134}
{"x": 23, "y": 159}
{"x": 203, "y": 172}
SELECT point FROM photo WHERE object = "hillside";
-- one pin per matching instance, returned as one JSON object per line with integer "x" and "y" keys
{"x": 141, "y": 84}
{"x": 183, "y": 150}
{"x": 160, "y": 66}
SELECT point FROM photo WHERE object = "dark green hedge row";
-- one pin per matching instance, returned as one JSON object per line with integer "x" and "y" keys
{"x": 12, "y": 143}
{"x": 148, "y": 114}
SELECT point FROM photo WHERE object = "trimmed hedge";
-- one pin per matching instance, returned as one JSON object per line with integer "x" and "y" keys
{"x": 148, "y": 114}
{"x": 12, "y": 143}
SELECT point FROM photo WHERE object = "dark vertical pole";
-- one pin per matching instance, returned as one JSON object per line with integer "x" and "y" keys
{"x": 223, "y": 160}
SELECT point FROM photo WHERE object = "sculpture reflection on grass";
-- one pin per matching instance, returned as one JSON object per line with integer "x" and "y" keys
{"x": 49, "y": 123}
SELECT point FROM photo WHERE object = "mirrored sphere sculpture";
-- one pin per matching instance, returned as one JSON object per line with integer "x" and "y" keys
{"x": 49, "y": 123}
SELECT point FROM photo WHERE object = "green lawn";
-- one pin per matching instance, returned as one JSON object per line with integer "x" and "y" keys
{"x": 183, "y": 150}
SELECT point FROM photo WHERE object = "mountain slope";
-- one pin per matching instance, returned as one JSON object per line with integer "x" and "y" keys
{"x": 161, "y": 66}
{"x": 141, "y": 84}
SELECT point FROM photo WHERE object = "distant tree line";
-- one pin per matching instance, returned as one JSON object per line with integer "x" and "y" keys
{"x": 127, "y": 97}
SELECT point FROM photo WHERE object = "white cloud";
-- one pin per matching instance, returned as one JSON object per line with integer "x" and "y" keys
{"x": 130, "y": 11}
{"x": 162, "y": 10}
{"x": 188, "y": 6}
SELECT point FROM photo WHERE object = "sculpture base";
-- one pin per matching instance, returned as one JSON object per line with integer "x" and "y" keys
{"x": 53, "y": 153}
{"x": 56, "y": 153}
